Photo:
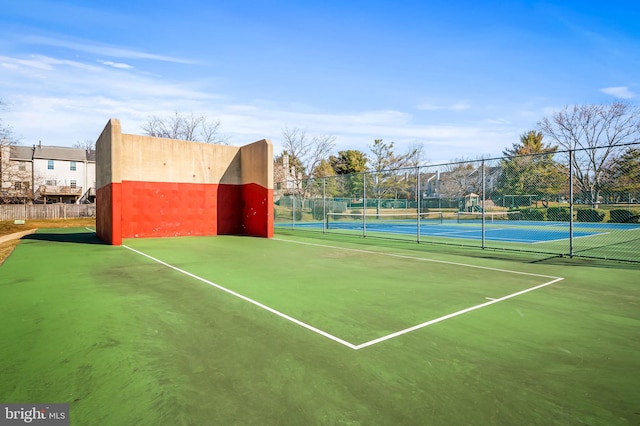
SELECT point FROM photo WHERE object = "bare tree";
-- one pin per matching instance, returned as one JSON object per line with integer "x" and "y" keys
{"x": 387, "y": 169}
{"x": 6, "y": 132}
{"x": 595, "y": 134}
{"x": 308, "y": 150}
{"x": 460, "y": 178}
{"x": 188, "y": 127}
{"x": 15, "y": 181}
{"x": 87, "y": 145}
{"x": 301, "y": 156}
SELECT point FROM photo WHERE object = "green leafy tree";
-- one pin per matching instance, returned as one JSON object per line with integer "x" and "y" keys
{"x": 529, "y": 168}
{"x": 622, "y": 179}
{"x": 324, "y": 169}
{"x": 324, "y": 179}
{"x": 349, "y": 161}
{"x": 349, "y": 166}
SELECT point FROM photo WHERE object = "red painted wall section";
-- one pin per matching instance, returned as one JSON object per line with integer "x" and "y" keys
{"x": 257, "y": 212}
{"x": 165, "y": 209}
{"x": 108, "y": 219}
{"x": 135, "y": 209}
{"x": 103, "y": 214}
{"x": 229, "y": 212}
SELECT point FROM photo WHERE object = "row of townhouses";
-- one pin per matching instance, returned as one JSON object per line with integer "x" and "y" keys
{"x": 47, "y": 174}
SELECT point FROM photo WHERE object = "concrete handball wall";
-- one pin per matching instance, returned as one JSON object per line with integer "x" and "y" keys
{"x": 257, "y": 188}
{"x": 108, "y": 185}
{"x": 162, "y": 187}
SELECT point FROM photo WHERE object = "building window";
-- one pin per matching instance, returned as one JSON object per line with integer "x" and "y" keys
{"x": 50, "y": 164}
{"x": 22, "y": 167}
{"x": 50, "y": 183}
{"x": 73, "y": 184}
{"x": 17, "y": 186}
{"x": 72, "y": 166}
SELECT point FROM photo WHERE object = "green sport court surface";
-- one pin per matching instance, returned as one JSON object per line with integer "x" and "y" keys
{"x": 316, "y": 329}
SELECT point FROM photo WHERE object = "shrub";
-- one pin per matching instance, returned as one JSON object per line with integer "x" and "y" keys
{"x": 623, "y": 216}
{"x": 298, "y": 215}
{"x": 318, "y": 212}
{"x": 514, "y": 215}
{"x": 531, "y": 214}
{"x": 589, "y": 215}
{"x": 558, "y": 214}
{"x": 331, "y": 206}
{"x": 338, "y": 206}
{"x": 356, "y": 214}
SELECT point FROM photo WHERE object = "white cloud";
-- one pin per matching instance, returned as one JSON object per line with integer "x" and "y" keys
{"x": 62, "y": 102}
{"x": 102, "y": 49}
{"x": 116, "y": 65}
{"x": 457, "y": 106}
{"x": 622, "y": 92}
{"x": 41, "y": 62}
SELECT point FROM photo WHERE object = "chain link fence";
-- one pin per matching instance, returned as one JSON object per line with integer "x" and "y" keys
{"x": 568, "y": 203}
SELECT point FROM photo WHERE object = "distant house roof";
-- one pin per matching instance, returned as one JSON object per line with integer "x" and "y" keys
{"x": 59, "y": 153}
{"x": 26, "y": 153}
{"x": 20, "y": 153}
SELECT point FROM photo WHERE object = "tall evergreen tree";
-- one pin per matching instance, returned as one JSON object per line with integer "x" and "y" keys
{"x": 529, "y": 168}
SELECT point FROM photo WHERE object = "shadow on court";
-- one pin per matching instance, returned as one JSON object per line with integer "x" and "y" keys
{"x": 75, "y": 237}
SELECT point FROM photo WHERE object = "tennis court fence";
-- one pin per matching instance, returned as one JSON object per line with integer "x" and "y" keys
{"x": 570, "y": 203}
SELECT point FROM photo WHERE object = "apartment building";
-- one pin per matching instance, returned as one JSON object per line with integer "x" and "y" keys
{"x": 47, "y": 174}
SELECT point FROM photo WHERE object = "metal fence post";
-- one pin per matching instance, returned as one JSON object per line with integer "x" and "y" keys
{"x": 293, "y": 209}
{"x": 570, "y": 203}
{"x": 324, "y": 205}
{"x": 419, "y": 198}
{"x": 482, "y": 204}
{"x": 364, "y": 204}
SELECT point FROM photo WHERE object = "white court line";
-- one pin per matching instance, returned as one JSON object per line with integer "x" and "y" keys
{"x": 245, "y": 298}
{"x": 566, "y": 239}
{"x": 455, "y": 314}
{"x": 380, "y": 339}
{"x": 453, "y": 232}
{"x": 445, "y": 317}
{"x": 402, "y": 256}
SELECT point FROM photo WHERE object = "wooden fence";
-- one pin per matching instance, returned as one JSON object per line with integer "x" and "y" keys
{"x": 46, "y": 211}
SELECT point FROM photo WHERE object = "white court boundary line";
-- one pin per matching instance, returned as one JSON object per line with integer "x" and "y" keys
{"x": 380, "y": 339}
{"x": 403, "y": 256}
{"x": 575, "y": 238}
{"x": 455, "y": 314}
{"x": 247, "y": 299}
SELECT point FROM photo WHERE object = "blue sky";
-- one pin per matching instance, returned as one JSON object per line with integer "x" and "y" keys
{"x": 463, "y": 78}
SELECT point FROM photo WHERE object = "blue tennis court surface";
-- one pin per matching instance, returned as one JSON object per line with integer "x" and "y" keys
{"x": 527, "y": 232}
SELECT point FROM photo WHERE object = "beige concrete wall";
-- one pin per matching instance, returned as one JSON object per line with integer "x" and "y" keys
{"x": 107, "y": 154}
{"x": 254, "y": 167}
{"x": 150, "y": 159}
